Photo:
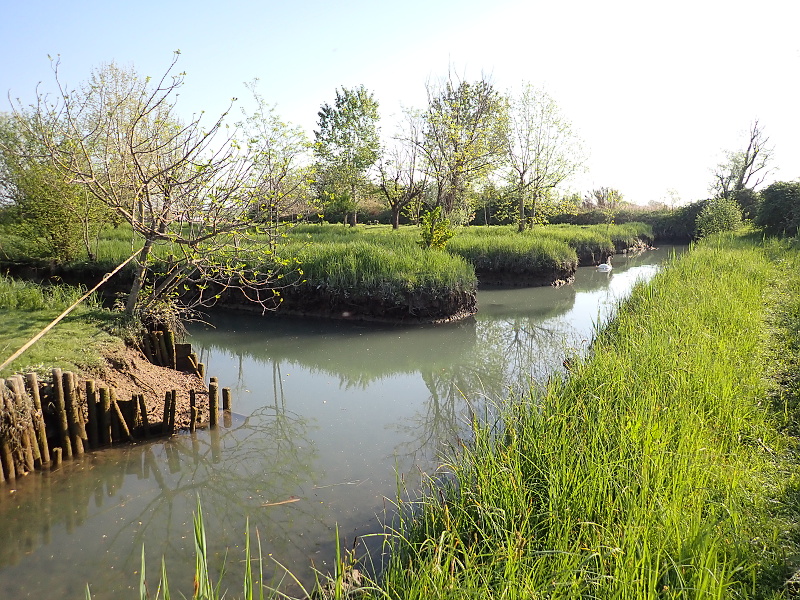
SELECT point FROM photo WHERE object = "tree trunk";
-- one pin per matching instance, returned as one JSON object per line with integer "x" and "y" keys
{"x": 395, "y": 217}
{"x": 138, "y": 283}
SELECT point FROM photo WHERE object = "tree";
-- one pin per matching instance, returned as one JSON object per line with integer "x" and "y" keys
{"x": 718, "y": 215}
{"x": 281, "y": 173}
{"x": 779, "y": 211}
{"x": 542, "y": 149}
{"x": 400, "y": 179}
{"x": 347, "y": 145}
{"x": 743, "y": 171}
{"x": 60, "y": 217}
{"x": 463, "y": 139}
{"x": 184, "y": 186}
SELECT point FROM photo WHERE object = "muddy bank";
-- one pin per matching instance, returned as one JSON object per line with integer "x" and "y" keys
{"x": 128, "y": 372}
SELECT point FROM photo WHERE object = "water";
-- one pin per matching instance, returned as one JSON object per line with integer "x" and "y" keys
{"x": 332, "y": 418}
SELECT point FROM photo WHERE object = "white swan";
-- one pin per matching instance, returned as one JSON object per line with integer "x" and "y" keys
{"x": 605, "y": 267}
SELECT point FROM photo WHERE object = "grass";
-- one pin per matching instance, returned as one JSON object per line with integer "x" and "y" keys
{"x": 74, "y": 344}
{"x": 657, "y": 469}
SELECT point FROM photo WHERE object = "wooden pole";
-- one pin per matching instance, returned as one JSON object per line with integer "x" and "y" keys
{"x": 213, "y": 404}
{"x": 124, "y": 431}
{"x": 105, "y": 416}
{"x": 169, "y": 340}
{"x": 30, "y": 449}
{"x": 71, "y": 405}
{"x": 91, "y": 410}
{"x": 61, "y": 413}
{"x": 165, "y": 418}
{"x": 55, "y": 461}
{"x": 145, "y": 419}
{"x": 226, "y": 398}
{"x": 173, "y": 406}
{"x": 6, "y": 455}
{"x": 162, "y": 348}
{"x": 41, "y": 432}
{"x": 192, "y": 410}
{"x": 201, "y": 370}
{"x": 116, "y": 433}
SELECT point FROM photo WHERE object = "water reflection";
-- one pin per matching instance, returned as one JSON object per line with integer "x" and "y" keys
{"x": 331, "y": 414}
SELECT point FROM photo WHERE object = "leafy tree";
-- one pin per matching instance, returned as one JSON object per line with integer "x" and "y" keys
{"x": 779, "y": 211}
{"x": 280, "y": 171}
{"x": 60, "y": 217}
{"x": 542, "y": 149}
{"x": 347, "y": 144}
{"x": 744, "y": 170}
{"x": 463, "y": 139}
{"x": 185, "y": 186}
{"x": 718, "y": 215}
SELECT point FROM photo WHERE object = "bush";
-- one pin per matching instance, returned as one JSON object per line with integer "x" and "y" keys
{"x": 718, "y": 215}
{"x": 779, "y": 211}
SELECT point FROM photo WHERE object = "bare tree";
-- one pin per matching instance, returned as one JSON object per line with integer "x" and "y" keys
{"x": 744, "y": 170}
{"x": 542, "y": 149}
{"x": 400, "y": 177}
{"x": 186, "y": 187}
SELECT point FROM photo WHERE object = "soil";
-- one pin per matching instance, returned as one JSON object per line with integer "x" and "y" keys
{"x": 128, "y": 372}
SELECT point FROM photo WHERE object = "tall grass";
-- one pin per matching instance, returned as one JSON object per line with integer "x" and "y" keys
{"x": 649, "y": 472}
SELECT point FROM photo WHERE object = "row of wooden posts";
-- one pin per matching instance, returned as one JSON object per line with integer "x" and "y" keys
{"x": 40, "y": 424}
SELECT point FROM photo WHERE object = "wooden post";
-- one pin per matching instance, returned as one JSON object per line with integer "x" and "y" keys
{"x": 38, "y": 420}
{"x": 6, "y": 455}
{"x": 55, "y": 461}
{"x": 213, "y": 404}
{"x": 156, "y": 348}
{"x": 226, "y": 398}
{"x": 201, "y": 370}
{"x": 116, "y": 432}
{"x": 173, "y": 406}
{"x": 30, "y": 449}
{"x": 147, "y": 348}
{"x": 91, "y": 410}
{"x": 71, "y": 405}
{"x": 192, "y": 410}
{"x": 169, "y": 341}
{"x": 61, "y": 414}
{"x": 165, "y": 418}
{"x": 144, "y": 417}
{"x": 162, "y": 348}
{"x": 105, "y": 416}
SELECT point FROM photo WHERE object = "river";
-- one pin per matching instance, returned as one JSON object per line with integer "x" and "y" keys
{"x": 332, "y": 419}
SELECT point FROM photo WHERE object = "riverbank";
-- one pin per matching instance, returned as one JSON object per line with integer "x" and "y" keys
{"x": 662, "y": 466}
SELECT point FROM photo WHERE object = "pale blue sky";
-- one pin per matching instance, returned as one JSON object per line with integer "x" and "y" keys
{"x": 656, "y": 90}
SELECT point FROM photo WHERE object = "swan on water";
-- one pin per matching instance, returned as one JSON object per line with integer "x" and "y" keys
{"x": 605, "y": 267}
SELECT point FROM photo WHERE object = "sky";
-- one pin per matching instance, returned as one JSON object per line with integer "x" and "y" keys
{"x": 657, "y": 91}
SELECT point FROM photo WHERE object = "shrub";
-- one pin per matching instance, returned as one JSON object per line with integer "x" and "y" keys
{"x": 779, "y": 211}
{"x": 718, "y": 215}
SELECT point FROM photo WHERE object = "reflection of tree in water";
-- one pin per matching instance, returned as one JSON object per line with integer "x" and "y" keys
{"x": 145, "y": 494}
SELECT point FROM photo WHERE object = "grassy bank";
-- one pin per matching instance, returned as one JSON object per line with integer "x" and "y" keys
{"x": 660, "y": 467}
{"x": 76, "y": 343}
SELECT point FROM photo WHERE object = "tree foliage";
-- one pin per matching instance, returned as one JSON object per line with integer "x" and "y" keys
{"x": 542, "y": 149}
{"x": 463, "y": 139}
{"x": 718, "y": 215}
{"x": 186, "y": 185}
{"x": 347, "y": 144}
{"x": 59, "y": 218}
{"x": 779, "y": 210}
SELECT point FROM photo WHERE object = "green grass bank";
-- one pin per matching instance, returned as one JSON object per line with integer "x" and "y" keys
{"x": 664, "y": 466}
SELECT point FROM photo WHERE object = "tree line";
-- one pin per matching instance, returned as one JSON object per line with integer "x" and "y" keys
{"x": 219, "y": 192}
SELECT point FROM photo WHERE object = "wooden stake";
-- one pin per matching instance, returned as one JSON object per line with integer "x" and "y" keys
{"x": 6, "y": 455}
{"x": 165, "y": 418}
{"x": 105, "y": 416}
{"x": 226, "y": 398}
{"x": 192, "y": 410}
{"x": 124, "y": 431}
{"x": 213, "y": 404}
{"x": 143, "y": 414}
{"x": 29, "y": 447}
{"x": 71, "y": 405}
{"x": 173, "y": 406}
{"x": 169, "y": 341}
{"x": 91, "y": 409}
{"x": 38, "y": 417}
{"x": 55, "y": 461}
{"x": 61, "y": 414}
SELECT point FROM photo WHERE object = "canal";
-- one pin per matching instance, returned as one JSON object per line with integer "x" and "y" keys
{"x": 332, "y": 419}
